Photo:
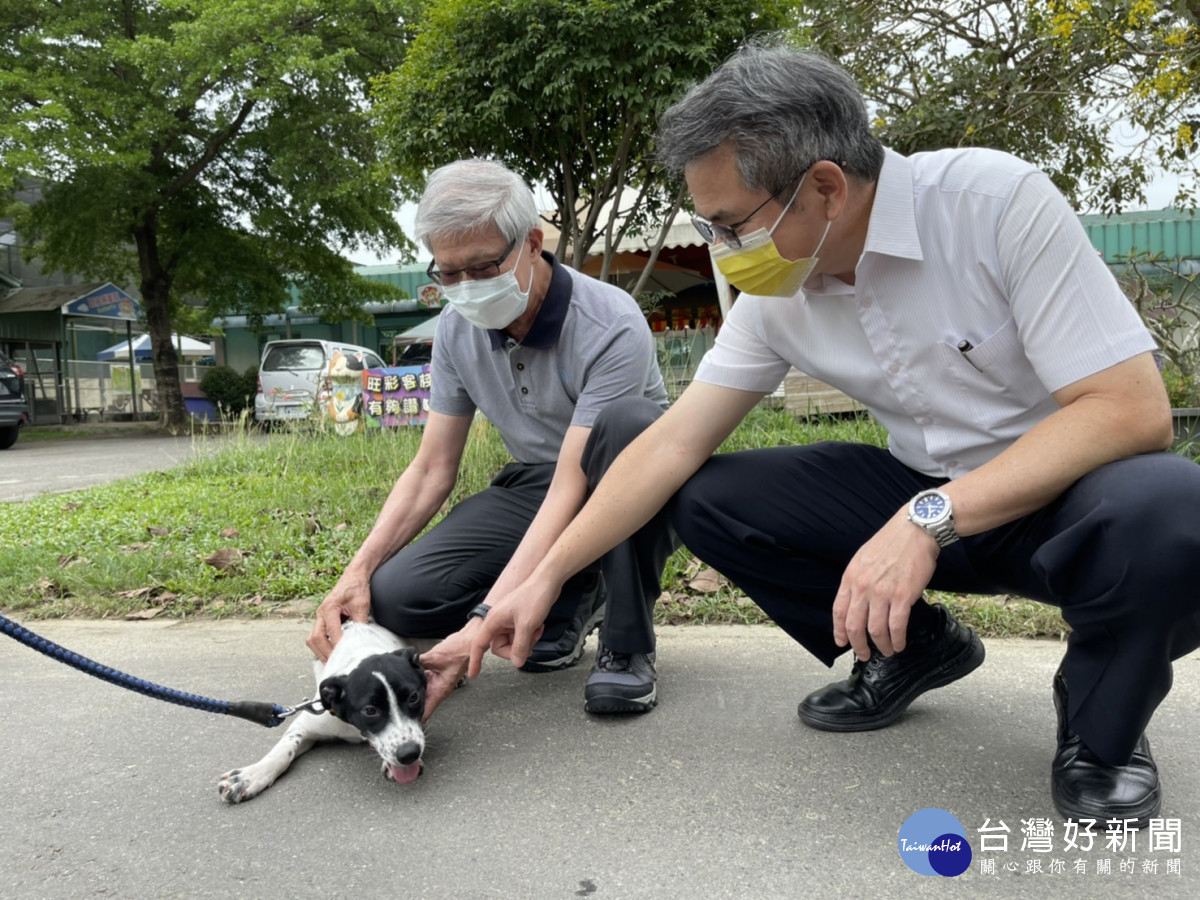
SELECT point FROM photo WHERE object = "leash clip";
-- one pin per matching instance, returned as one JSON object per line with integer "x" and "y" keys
{"x": 313, "y": 706}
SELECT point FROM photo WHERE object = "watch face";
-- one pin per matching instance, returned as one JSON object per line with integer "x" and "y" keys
{"x": 929, "y": 507}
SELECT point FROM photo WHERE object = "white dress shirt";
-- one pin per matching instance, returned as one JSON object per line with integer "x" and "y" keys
{"x": 970, "y": 246}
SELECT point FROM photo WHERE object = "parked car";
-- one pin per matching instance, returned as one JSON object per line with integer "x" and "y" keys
{"x": 418, "y": 353}
{"x": 295, "y": 377}
{"x": 14, "y": 408}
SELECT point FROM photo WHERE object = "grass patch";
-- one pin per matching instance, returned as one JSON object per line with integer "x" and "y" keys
{"x": 264, "y": 526}
{"x": 256, "y": 526}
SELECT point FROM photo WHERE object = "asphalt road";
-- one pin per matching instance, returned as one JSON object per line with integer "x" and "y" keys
{"x": 30, "y": 468}
{"x": 720, "y": 792}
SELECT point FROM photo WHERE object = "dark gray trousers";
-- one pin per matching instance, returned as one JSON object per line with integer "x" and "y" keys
{"x": 427, "y": 589}
{"x": 1119, "y": 553}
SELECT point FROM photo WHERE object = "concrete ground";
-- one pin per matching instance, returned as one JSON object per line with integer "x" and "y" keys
{"x": 720, "y": 792}
{"x": 100, "y": 455}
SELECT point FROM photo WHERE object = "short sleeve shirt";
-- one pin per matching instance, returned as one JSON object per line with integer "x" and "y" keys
{"x": 977, "y": 295}
{"x": 588, "y": 346}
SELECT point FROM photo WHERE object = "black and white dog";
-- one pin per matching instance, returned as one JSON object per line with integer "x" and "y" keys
{"x": 373, "y": 689}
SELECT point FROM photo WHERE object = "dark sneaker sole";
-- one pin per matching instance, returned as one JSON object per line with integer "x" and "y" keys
{"x": 607, "y": 705}
{"x": 538, "y": 667}
{"x": 967, "y": 661}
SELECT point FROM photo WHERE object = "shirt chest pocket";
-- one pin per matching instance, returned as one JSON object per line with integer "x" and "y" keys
{"x": 995, "y": 368}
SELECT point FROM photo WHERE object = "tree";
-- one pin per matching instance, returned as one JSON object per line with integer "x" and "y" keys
{"x": 565, "y": 93}
{"x": 208, "y": 151}
{"x": 1048, "y": 80}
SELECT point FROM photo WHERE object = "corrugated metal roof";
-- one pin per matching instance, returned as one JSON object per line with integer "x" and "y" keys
{"x": 1171, "y": 233}
{"x": 409, "y": 277}
{"x": 40, "y": 299}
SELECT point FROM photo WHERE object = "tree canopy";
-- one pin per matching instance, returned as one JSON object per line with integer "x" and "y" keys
{"x": 564, "y": 92}
{"x": 216, "y": 151}
{"x": 1102, "y": 94}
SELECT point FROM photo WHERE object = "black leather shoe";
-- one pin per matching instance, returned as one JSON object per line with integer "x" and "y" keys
{"x": 879, "y": 690}
{"x": 1083, "y": 787}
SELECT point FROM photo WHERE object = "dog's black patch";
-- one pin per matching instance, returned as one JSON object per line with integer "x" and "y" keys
{"x": 359, "y": 698}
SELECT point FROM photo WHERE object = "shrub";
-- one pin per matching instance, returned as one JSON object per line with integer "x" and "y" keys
{"x": 1169, "y": 303}
{"x": 232, "y": 393}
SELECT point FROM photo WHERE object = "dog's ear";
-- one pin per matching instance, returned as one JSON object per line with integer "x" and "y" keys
{"x": 332, "y": 691}
{"x": 413, "y": 659}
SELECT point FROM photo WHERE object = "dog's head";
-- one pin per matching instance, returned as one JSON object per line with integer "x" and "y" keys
{"x": 384, "y": 698}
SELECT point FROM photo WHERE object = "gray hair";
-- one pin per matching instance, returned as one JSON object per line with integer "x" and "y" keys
{"x": 472, "y": 195}
{"x": 781, "y": 109}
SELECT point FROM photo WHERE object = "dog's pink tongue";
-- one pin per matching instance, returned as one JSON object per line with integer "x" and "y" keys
{"x": 405, "y": 774}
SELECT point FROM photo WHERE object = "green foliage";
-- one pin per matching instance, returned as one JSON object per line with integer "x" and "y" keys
{"x": 1048, "y": 80}
{"x": 1182, "y": 391}
{"x": 564, "y": 92}
{"x": 232, "y": 393}
{"x": 210, "y": 149}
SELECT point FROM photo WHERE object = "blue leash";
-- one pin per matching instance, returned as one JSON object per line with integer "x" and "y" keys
{"x": 267, "y": 714}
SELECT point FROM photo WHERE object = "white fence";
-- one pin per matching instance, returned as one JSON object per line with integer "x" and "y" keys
{"x": 679, "y": 353}
{"x": 101, "y": 389}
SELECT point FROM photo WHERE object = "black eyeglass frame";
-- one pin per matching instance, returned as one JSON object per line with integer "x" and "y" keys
{"x": 455, "y": 275}
{"x": 710, "y": 231}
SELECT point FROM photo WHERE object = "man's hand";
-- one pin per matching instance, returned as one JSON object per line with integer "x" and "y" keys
{"x": 349, "y": 599}
{"x": 880, "y": 585}
{"x": 445, "y": 665}
{"x": 514, "y": 623}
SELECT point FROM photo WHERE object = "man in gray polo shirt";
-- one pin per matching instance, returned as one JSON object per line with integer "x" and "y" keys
{"x": 542, "y": 351}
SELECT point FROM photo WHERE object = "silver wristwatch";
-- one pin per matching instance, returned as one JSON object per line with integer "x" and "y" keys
{"x": 932, "y": 511}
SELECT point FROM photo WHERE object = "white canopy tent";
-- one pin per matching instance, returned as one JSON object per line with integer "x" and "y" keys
{"x": 186, "y": 347}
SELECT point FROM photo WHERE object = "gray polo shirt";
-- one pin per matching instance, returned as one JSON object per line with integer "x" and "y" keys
{"x": 588, "y": 346}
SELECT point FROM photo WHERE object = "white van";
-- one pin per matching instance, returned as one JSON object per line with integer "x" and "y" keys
{"x": 294, "y": 376}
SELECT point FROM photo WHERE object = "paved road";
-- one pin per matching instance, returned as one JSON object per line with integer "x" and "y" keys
{"x": 31, "y": 468}
{"x": 720, "y": 792}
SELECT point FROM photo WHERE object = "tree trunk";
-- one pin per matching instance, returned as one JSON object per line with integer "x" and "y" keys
{"x": 156, "y": 295}
{"x": 172, "y": 412}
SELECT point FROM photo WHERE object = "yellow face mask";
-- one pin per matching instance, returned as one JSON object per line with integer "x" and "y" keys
{"x": 757, "y": 268}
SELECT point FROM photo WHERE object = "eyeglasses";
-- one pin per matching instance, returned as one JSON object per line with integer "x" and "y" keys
{"x": 710, "y": 231}
{"x": 478, "y": 272}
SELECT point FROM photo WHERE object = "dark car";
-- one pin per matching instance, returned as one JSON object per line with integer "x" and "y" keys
{"x": 418, "y": 353}
{"x": 13, "y": 408}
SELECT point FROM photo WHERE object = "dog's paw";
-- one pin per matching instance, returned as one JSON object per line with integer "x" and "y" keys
{"x": 239, "y": 785}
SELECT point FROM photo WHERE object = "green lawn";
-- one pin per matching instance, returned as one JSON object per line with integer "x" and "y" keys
{"x": 264, "y": 527}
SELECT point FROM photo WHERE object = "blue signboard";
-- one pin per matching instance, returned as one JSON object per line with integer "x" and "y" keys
{"x": 105, "y": 302}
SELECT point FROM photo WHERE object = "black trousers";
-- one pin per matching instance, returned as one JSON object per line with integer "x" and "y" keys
{"x": 1119, "y": 553}
{"x": 427, "y": 589}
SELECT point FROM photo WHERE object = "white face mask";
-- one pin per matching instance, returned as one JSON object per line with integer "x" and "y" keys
{"x": 492, "y": 303}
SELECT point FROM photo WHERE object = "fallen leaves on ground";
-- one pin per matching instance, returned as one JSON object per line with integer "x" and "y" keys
{"x": 225, "y": 559}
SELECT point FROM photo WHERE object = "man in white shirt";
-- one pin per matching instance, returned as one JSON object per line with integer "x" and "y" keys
{"x": 956, "y": 295}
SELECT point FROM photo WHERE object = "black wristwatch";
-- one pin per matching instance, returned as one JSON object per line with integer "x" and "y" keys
{"x": 932, "y": 511}
{"x": 481, "y": 611}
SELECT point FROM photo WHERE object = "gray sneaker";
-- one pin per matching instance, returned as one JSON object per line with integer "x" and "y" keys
{"x": 621, "y": 683}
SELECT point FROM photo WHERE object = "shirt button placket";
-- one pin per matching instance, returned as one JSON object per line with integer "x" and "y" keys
{"x": 519, "y": 377}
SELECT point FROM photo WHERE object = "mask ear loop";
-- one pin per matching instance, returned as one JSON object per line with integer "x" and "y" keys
{"x": 821, "y": 243}
{"x": 788, "y": 205}
{"x": 525, "y": 291}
